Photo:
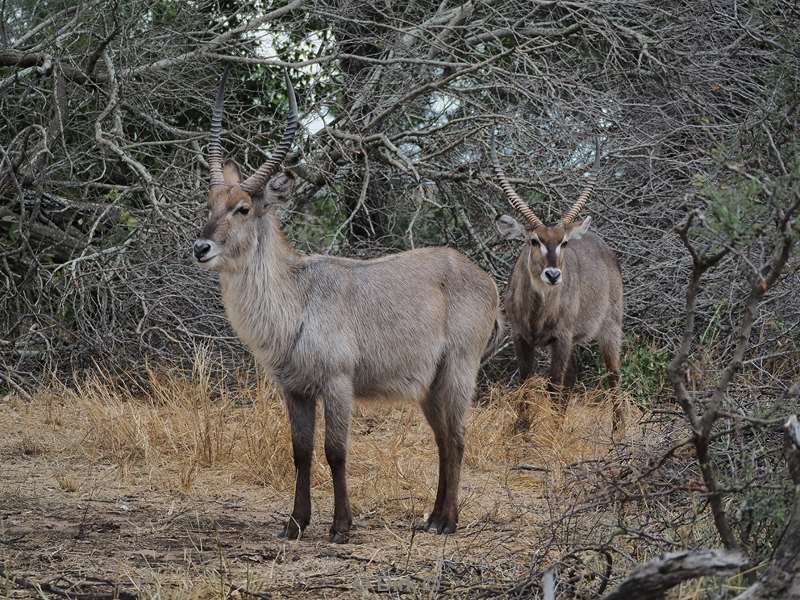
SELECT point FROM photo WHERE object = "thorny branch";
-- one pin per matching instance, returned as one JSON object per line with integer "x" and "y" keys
{"x": 703, "y": 424}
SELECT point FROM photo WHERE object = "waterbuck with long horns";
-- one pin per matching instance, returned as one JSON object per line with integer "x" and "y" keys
{"x": 566, "y": 288}
{"x": 412, "y": 325}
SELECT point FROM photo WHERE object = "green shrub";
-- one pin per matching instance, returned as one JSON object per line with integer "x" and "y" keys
{"x": 644, "y": 370}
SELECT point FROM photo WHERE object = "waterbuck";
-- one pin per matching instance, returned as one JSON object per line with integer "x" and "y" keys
{"x": 411, "y": 325}
{"x": 566, "y": 288}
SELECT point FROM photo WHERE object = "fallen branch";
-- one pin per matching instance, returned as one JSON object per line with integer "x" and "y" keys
{"x": 527, "y": 467}
{"x": 653, "y": 579}
{"x": 24, "y": 583}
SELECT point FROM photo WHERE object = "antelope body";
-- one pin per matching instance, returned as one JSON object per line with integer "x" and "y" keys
{"x": 566, "y": 289}
{"x": 413, "y": 325}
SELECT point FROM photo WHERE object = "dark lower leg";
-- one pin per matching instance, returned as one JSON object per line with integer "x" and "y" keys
{"x": 441, "y": 488}
{"x": 618, "y": 414}
{"x": 342, "y": 516}
{"x": 571, "y": 374}
{"x": 450, "y": 439}
{"x": 526, "y": 364}
{"x": 302, "y": 414}
{"x": 526, "y": 358}
{"x": 437, "y": 421}
{"x": 439, "y": 514}
{"x": 613, "y": 379}
{"x": 561, "y": 351}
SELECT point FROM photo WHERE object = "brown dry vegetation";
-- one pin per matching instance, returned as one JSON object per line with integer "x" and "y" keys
{"x": 177, "y": 489}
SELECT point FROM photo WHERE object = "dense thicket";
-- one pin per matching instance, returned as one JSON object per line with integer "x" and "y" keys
{"x": 105, "y": 109}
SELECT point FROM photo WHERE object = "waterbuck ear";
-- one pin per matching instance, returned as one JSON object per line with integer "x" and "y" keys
{"x": 509, "y": 228}
{"x": 278, "y": 191}
{"x": 577, "y": 230}
{"x": 230, "y": 172}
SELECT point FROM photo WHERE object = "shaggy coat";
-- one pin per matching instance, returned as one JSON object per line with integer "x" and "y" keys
{"x": 412, "y": 325}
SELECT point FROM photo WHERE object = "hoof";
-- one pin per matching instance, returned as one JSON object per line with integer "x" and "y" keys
{"x": 439, "y": 525}
{"x": 291, "y": 531}
{"x": 339, "y": 537}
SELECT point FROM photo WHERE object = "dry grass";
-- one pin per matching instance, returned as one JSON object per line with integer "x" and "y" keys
{"x": 67, "y": 482}
{"x": 181, "y": 425}
{"x": 562, "y": 436}
{"x": 180, "y": 422}
{"x": 28, "y": 445}
{"x": 185, "y": 439}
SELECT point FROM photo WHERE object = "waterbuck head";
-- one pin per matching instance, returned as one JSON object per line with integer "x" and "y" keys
{"x": 234, "y": 206}
{"x": 545, "y": 244}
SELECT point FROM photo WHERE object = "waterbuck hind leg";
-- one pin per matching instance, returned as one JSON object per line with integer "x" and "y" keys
{"x": 302, "y": 417}
{"x": 338, "y": 401}
{"x": 437, "y": 419}
{"x": 610, "y": 349}
{"x": 445, "y": 409}
{"x": 455, "y": 459}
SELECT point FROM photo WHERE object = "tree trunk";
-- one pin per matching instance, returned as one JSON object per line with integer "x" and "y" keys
{"x": 782, "y": 577}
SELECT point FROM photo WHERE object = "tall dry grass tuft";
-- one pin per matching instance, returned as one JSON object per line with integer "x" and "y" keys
{"x": 187, "y": 421}
{"x": 185, "y": 425}
{"x": 552, "y": 436}
{"x": 176, "y": 418}
{"x": 264, "y": 448}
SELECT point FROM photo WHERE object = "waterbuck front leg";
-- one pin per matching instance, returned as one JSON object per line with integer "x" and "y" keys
{"x": 571, "y": 373}
{"x": 526, "y": 364}
{"x": 302, "y": 416}
{"x": 338, "y": 401}
{"x": 526, "y": 357}
{"x": 562, "y": 351}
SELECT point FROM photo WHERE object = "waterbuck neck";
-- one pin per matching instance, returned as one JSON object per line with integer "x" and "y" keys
{"x": 263, "y": 298}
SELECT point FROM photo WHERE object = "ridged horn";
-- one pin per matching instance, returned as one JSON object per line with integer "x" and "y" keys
{"x": 215, "y": 145}
{"x": 511, "y": 195}
{"x": 570, "y": 215}
{"x": 257, "y": 180}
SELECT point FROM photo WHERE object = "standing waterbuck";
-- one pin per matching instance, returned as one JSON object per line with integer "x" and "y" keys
{"x": 566, "y": 288}
{"x": 412, "y": 325}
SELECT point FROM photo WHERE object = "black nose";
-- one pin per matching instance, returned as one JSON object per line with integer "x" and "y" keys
{"x": 200, "y": 249}
{"x": 552, "y": 276}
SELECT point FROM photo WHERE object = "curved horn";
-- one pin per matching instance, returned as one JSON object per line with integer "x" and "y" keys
{"x": 215, "y": 145}
{"x": 511, "y": 195}
{"x": 257, "y": 180}
{"x": 570, "y": 215}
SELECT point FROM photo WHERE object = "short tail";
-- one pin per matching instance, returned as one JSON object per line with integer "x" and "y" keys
{"x": 497, "y": 337}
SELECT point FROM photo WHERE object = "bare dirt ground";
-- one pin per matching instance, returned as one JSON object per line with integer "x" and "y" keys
{"x": 181, "y": 493}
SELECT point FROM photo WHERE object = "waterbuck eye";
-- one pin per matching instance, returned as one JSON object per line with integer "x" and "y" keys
{"x": 242, "y": 210}
{"x": 564, "y": 243}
